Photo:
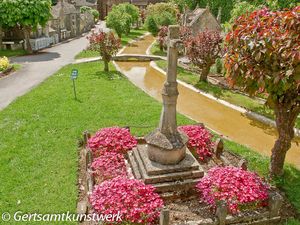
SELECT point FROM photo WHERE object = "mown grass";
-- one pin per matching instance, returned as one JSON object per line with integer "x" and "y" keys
{"x": 222, "y": 93}
{"x": 155, "y": 50}
{"x": 10, "y": 53}
{"x": 40, "y": 131}
{"x": 124, "y": 41}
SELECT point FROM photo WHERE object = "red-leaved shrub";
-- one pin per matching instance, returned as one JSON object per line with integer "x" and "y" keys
{"x": 200, "y": 140}
{"x": 237, "y": 187}
{"x": 162, "y": 37}
{"x": 136, "y": 202}
{"x": 203, "y": 50}
{"x": 112, "y": 139}
{"x": 108, "y": 166}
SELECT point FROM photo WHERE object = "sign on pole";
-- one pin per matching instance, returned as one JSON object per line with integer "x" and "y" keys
{"x": 74, "y": 75}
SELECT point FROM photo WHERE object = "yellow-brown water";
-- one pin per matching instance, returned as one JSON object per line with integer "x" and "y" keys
{"x": 213, "y": 114}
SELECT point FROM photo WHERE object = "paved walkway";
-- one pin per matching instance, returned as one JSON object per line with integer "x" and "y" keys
{"x": 36, "y": 68}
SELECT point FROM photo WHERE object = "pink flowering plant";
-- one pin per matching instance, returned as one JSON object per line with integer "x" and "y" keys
{"x": 108, "y": 166}
{"x": 111, "y": 139}
{"x": 200, "y": 140}
{"x": 136, "y": 202}
{"x": 237, "y": 187}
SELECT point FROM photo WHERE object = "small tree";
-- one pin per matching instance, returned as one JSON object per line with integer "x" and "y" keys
{"x": 131, "y": 10}
{"x": 263, "y": 55}
{"x": 203, "y": 50}
{"x": 33, "y": 13}
{"x": 160, "y": 14}
{"x": 151, "y": 25}
{"x": 162, "y": 38}
{"x": 241, "y": 8}
{"x": 106, "y": 44}
{"x": 119, "y": 20}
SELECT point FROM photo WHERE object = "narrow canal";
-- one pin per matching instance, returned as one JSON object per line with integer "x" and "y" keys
{"x": 213, "y": 114}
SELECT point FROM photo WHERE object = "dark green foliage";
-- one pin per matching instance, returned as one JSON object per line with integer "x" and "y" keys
{"x": 228, "y": 5}
{"x": 160, "y": 14}
{"x": 151, "y": 25}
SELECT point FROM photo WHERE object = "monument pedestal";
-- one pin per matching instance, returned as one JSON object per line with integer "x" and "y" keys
{"x": 182, "y": 176}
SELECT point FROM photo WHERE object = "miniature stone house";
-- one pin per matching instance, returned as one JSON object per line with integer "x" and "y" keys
{"x": 202, "y": 19}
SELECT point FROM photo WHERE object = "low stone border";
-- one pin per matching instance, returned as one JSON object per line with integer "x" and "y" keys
{"x": 6, "y": 72}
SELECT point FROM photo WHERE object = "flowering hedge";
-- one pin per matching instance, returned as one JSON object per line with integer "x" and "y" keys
{"x": 200, "y": 139}
{"x": 112, "y": 139}
{"x": 108, "y": 166}
{"x": 4, "y": 63}
{"x": 136, "y": 202}
{"x": 235, "y": 186}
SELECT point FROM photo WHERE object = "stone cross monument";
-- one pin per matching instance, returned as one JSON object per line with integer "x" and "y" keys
{"x": 164, "y": 160}
{"x": 166, "y": 145}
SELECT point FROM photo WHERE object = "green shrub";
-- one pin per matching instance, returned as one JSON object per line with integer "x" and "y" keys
{"x": 95, "y": 13}
{"x": 241, "y": 8}
{"x": 219, "y": 65}
{"x": 131, "y": 10}
{"x": 119, "y": 20}
{"x": 84, "y": 9}
{"x": 151, "y": 25}
{"x": 160, "y": 14}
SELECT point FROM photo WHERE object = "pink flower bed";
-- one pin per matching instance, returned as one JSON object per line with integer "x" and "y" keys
{"x": 137, "y": 202}
{"x": 108, "y": 166}
{"x": 111, "y": 139}
{"x": 237, "y": 187}
{"x": 200, "y": 139}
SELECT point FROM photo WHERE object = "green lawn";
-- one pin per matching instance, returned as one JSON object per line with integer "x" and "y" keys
{"x": 10, "y": 53}
{"x": 40, "y": 131}
{"x": 125, "y": 40}
{"x": 225, "y": 94}
{"x": 155, "y": 50}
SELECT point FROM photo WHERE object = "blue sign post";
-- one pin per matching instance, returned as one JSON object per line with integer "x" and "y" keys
{"x": 74, "y": 76}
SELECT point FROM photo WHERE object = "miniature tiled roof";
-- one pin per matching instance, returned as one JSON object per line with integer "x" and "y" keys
{"x": 194, "y": 15}
{"x": 85, "y": 3}
{"x": 67, "y": 9}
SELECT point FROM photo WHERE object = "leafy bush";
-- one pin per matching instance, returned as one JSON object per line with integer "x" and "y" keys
{"x": 166, "y": 19}
{"x": 263, "y": 52}
{"x": 131, "y": 10}
{"x": 160, "y": 14}
{"x": 4, "y": 63}
{"x": 106, "y": 44}
{"x": 219, "y": 65}
{"x": 241, "y": 8}
{"x": 162, "y": 37}
{"x": 112, "y": 139}
{"x": 203, "y": 50}
{"x": 185, "y": 33}
{"x": 119, "y": 20}
{"x": 200, "y": 139}
{"x": 108, "y": 166}
{"x": 237, "y": 187}
{"x": 151, "y": 25}
{"x": 84, "y": 9}
{"x": 95, "y": 13}
{"x": 138, "y": 203}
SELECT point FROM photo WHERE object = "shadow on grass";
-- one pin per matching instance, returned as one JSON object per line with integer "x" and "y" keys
{"x": 111, "y": 75}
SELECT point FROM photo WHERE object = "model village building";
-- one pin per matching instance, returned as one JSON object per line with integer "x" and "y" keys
{"x": 66, "y": 22}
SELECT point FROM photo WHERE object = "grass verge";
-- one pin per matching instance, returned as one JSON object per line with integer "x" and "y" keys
{"x": 10, "y": 53}
{"x": 224, "y": 94}
{"x": 125, "y": 40}
{"x": 39, "y": 134}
